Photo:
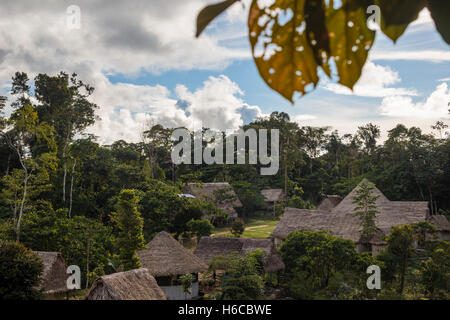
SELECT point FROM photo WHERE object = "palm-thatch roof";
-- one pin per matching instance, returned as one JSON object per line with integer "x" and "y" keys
{"x": 440, "y": 222}
{"x": 272, "y": 195}
{"x": 209, "y": 191}
{"x": 54, "y": 273}
{"x": 136, "y": 284}
{"x": 342, "y": 222}
{"x": 165, "y": 256}
{"x": 329, "y": 202}
{"x": 210, "y": 247}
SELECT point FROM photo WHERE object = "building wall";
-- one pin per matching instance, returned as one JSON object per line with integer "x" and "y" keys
{"x": 278, "y": 242}
{"x": 177, "y": 293}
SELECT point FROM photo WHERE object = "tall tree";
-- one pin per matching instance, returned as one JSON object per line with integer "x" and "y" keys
{"x": 366, "y": 210}
{"x": 64, "y": 104}
{"x": 130, "y": 225}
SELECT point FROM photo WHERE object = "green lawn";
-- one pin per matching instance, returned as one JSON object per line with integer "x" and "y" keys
{"x": 259, "y": 233}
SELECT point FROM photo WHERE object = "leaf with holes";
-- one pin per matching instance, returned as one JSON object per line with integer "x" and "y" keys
{"x": 281, "y": 48}
{"x": 350, "y": 40}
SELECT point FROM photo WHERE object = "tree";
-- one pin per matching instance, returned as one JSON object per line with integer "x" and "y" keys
{"x": 200, "y": 228}
{"x": 369, "y": 134}
{"x": 243, "y": 280}
{"x": 47, "y": 230}
{"x": 401, "y": 246}
{"x": 318, "y": 31}
{"x": 186, "y": 283}
{"x": 128, "y": 221}
{"x": 20, "y": 272}
{"x": 33, "y": 144}
{"x": 435, "y": 271}
{"x": 314, "y": 259}
{"x": 64, "y": 104}
{"x": 237, "y": 228}
{"x": 366, "y": 210}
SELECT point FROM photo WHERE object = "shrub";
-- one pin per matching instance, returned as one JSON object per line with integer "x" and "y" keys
{"x": 20, "y": 272}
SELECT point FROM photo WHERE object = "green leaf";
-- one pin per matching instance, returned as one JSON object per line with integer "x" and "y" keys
{"x": 396, "y": 15}
{"x": 210, "y": 12}
{"x": 350, "y": 40}
{"x": 440, "y": 11}
{"x": 288, "y": 62}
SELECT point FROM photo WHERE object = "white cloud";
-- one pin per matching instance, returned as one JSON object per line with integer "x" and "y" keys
{"x": 126, "y": 38}
{"x": 435, "y": 106}
{"x": 375, "y": 81}
{"x": 436, "y": 56}
{"x": 299, "y": 118}
{"x": 128, "y": 108}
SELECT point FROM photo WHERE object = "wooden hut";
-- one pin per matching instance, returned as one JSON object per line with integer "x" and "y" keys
{"x": 210, "y": 192}
{"x": 136, "y": 284}
{"x": 54, "y": 273}
{"x": 443, "y": 226}
{"x": 329, "y": 203}
{"x": 167, "y": 260}
{"x": 271, "y": 196}
{"x": 210, "y": 247}
{"x": 342, "y": 222}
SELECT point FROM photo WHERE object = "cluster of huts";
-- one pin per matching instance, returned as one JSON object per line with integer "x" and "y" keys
{"x": 165, "y": 260}
{"x": 338, "y": 217}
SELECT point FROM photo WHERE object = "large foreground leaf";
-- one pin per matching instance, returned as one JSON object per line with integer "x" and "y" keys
{"x": 281, "y": 49}
{"x": 396, "y": 15}
{"x": 350, "y": 40}
{"x": 209, "y": 13}
{"x": 440, "y": 12}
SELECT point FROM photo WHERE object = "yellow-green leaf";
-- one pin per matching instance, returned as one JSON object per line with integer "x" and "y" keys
{"x": 210, "y": 12}
{"x": 287, "y": 61}
{"x": 350, "y": 40}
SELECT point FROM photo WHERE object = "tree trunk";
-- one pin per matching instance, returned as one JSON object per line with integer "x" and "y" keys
{"x": 71, "y": 189}
{"x": 25, "y": 185}
{"x": 7, "y": 164}
{"x": 65, "y": 163}
{"x": 87, "y": 261}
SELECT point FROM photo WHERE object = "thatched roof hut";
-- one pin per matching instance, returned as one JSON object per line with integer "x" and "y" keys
{"x": 209, "y": 192}
{"x": 443, "y": 226}
{"x": 165, "y": 256}
{"x": 210, "y": 247}
{"x": 329, "y": 202}
{"x": 440, "y": 222}
{"x": 342, "y": 222}
{"x": 54, "y": 273}
{"x": 136, "y": 284}
{"x": 272, "y": 195}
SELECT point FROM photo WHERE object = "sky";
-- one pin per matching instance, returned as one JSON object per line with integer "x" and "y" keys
{"x": 147, "y": 67}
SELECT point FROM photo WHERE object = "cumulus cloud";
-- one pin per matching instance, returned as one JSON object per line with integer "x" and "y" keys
{"x": 435, "y": 106}
{"x": 375, "y": 81}
{"x": 125, "y": 38}
{"x": 128, "y": 108}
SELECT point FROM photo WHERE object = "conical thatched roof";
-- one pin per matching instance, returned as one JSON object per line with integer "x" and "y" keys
{"x": 342, "y": 222}
{"x": 54, "y": 274}
{"x": 329, "y": 202}
{"x": 207, "y": 192}
{"x": 440, "y": 222}
{"x": 165, "y": 256}
{"x": 136, "y": 284}
{"x": 210, "y": 247}
{"x": 272, "y": 195}
{"x": 347, "y": 205}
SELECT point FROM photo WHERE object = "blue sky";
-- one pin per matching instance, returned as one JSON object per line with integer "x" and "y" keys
{"x": 148, "y": 68}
